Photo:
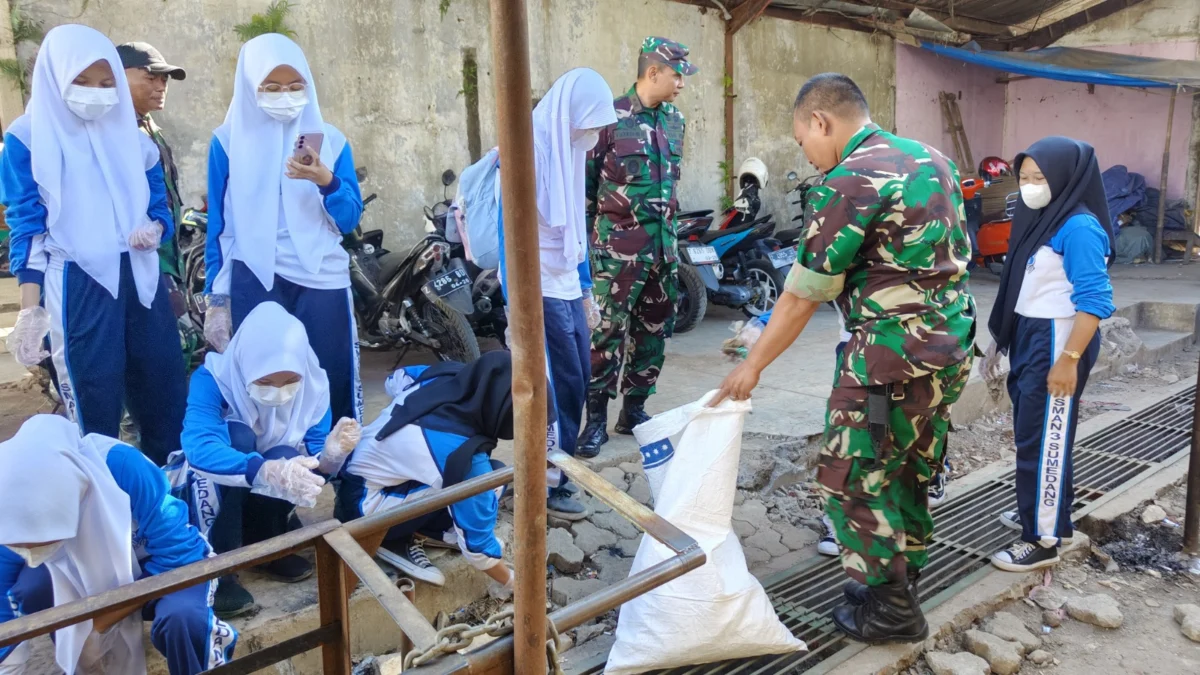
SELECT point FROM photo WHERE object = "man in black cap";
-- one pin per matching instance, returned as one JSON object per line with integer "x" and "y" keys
{"x": 148, "y": 73}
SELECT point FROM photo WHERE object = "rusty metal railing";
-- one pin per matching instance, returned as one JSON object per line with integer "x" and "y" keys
{"x": 343, "y": 557}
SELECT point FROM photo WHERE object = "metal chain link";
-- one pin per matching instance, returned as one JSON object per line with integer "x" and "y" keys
{"x": 452, "y": 639}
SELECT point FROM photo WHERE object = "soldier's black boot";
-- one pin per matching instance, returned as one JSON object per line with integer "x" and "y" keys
{"x": 633, "y": 413}
{"x": 595, "y": 432}
{"x": 891, "y": 613}
{"x": 856, "y": 593}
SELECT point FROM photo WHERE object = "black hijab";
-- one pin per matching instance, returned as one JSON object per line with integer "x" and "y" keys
{"x": 1071, "y": 169}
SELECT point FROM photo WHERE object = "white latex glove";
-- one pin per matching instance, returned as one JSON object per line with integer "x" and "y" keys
{"x": 218, "y": 326}
{"x": 591, "y": 310}
{"x": 147, "y": 237}
{"x": 338, "y": 444}
{"x": 292, "y": 480}
{"x": 989, "y": 367}
{"x": 26, "y": 339}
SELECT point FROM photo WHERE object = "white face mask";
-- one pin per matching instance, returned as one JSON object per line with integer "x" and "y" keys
{"x": 1036, "y": 196}
{"x": 285, "y": 106}
{"x": 36, "y": 556}
{"x": 273, "y": 397}
{"x": 90, "y": 103}
{"x": 584, "y": 139}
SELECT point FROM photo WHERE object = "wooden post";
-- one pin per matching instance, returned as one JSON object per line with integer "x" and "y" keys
{"x": 728, "y": 87}
{"x": 333, "y": 608}
{"x": 514, "y": 126}
{"x": 1162, "y": 183}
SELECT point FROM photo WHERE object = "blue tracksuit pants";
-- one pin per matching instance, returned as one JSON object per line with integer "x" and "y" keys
{"x": 1044, "y": 428}
{"x": 184, "y": 629}
{"x": 243, "y": 517}
{"x": 327, "y": 315}
{"x": 569, "y": 355}
{"x": 112, "y": 354}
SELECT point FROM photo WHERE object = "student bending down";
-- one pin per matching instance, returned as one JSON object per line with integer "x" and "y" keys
{"x": 86, "y": 515}
{"x": 258, "y": 425}
{"x": 436, "y": 438}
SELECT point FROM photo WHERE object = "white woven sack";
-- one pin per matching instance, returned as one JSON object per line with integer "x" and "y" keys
{"x": 719, "y": 610}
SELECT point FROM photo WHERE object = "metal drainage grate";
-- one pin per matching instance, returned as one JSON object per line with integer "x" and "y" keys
{"x": 968, "y": 532}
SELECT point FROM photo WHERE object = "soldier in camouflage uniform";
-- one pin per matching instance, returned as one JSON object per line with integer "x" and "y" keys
{"x": 632, "y": 176}
{"x": 884, "y": 239}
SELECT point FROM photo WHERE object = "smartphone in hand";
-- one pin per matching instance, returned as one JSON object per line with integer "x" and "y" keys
{"x": 312, "y": 139}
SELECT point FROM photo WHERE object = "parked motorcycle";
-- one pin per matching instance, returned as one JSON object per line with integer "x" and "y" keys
{"x": 420, "y": 297}
{"x": 487, "y": 316}
{"x": 989, "y": 241}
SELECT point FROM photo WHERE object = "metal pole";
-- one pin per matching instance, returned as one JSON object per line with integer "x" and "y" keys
{"x": 1191, "y": 518}
{"x": 1162, "y": 183}
{"x": 514, "y": 125}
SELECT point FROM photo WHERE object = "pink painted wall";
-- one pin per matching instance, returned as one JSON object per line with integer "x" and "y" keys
{"x": 1126, "y": 126}
{"x": 921, "y": 75}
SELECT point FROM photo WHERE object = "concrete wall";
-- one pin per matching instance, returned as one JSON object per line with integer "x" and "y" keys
{"x": 1151, "y": 21}
{"x": 1126, "y": 126}
{"x": 921, "y": 76}
{"x": 772, "y": 59}
{"x": 389, "y": 73}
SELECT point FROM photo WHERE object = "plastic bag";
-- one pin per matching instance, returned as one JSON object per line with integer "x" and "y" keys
{"x": 718, "y": 611}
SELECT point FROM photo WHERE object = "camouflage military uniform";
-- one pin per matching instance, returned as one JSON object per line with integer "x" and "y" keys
{"x": 885, "y": 239}
{"x": 632, "y": 175}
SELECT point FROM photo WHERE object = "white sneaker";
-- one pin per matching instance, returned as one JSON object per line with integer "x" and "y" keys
{"x": 409, "y": 557}
{"x": 828, "y": 544}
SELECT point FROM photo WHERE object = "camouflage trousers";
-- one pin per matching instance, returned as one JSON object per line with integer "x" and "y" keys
{"x": 880, "y": 510}
{"x": 637, "y": 315}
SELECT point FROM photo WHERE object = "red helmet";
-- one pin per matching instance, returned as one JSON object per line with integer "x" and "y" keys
{"x": 994, "y": 167}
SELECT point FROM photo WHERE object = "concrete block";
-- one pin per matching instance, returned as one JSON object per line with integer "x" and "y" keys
{"x": 1003, "y": 656}
{"x": 962, "y": 663}
{"x": 639, "y": 489}
{"x": 613, "y": 522}
{"x": 590, "y": 538}
{"x": 1099, "y": 610}
{"x": 562, "y": 552}
{"x": 1008, "y": 627}
{"x": 615, "y": 476}
{"x": 567, "y": 591}
{"x": 768, "y": 540}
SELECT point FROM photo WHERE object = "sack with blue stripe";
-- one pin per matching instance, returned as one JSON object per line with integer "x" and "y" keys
{"x": 719, "y": 610}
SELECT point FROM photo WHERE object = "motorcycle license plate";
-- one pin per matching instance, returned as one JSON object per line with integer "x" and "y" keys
{"x": 450, "y": 281}
{"x": 783, "y": 257}
{"x": 702, "y": 255}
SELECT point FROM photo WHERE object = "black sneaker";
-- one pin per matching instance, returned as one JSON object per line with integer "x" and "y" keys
{"x": 1012, "y": 520}
{"x": 560, "y": 505}
{"x": 828, "y": 544}
{"x": 1025, "y": 557}
{"x": 231, "y": 599}
{"x": 409, "y": 557}
{"x": 289, "y": 569}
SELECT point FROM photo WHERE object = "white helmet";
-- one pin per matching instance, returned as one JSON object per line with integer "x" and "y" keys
{"x": 754, "y": 167}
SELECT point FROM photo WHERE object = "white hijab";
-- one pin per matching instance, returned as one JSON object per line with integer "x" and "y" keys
{"x": 580, "y": 99}
{"x": 91, "y": 175}
{"x": 56, "y": 486}
{"x": 271, "y": 341}
{"x": 258, "y": 147}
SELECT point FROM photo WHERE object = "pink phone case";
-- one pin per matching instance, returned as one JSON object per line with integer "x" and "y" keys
{"x": 312, "y": 140}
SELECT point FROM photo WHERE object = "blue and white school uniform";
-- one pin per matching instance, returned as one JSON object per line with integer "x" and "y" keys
{"x": 383, "y": 474}
{"x": 227, "y": 435}
{"x": 130, "y": 498}
{"x": 1066, "y": 276}
{"x": 74, "y": 191}
{"x": 271, "y": 237}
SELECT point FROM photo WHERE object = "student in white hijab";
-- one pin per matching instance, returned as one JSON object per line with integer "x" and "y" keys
{"x": 566, "y": 124}
{"x": 87, "y": 206}
{"x": 104, "y": 520}
{"x": 277, "y": 212}
{"x": 258, "y": 426}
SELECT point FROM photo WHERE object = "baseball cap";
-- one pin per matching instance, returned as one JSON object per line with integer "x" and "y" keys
{"x": 669, "y": 52}
{"x": 142, "y": 55}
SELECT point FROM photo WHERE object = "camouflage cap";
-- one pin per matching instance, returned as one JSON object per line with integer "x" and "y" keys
{"x": 669, "y": 52}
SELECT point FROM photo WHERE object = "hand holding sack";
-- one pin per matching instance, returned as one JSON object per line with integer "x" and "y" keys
{"x": 292, "y": 480}
{"x": 338, "y": 445}
{"x": 27, "y": 337}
